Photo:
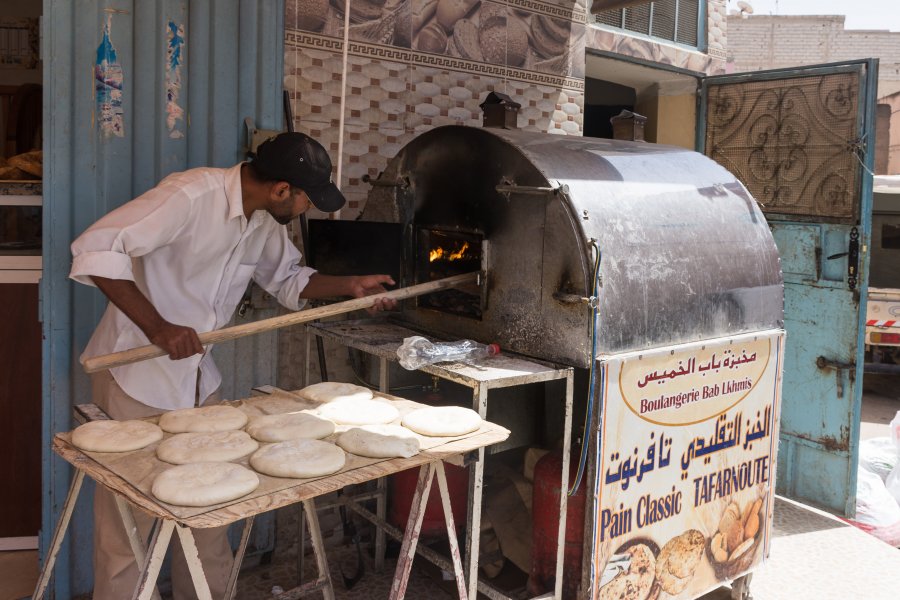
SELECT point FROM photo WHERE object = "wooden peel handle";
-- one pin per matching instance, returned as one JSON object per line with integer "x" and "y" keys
{"x": 126, "y": 357}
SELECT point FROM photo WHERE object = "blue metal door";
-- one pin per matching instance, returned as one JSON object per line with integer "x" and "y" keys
{"x": 134, "y": 90}
{"x": 801, "y": 140}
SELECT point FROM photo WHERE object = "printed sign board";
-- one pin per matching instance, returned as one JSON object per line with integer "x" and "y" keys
{"x": 685, "y": 466}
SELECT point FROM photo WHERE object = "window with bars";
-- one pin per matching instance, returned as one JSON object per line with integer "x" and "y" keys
{"x": 673, "y": 20}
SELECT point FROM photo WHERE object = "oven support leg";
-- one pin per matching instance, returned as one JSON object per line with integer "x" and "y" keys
{"x": 476, "y": 483}
{"x": 306, "y": 355}
{"x": 564, "y": 487}
{"x": 384, "y": 385}
{"x": 58, "y": 534}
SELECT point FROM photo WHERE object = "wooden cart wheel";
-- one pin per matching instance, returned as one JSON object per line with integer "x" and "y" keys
{"x": 740, "y": 588}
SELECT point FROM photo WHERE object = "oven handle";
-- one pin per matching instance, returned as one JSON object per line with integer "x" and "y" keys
{"x": 533, "y": 190}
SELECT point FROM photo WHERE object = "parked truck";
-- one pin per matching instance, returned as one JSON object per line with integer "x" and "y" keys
{"x": 883, "y": 308}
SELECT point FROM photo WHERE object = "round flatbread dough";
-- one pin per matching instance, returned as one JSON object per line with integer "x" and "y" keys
{"x": 359, "y": 412}
{"x": 290, "y": 426}
{"x": 379, "y": 441}
{"x": 204, "y": 484}
{"x": 298, "y": 459}
{"x": 115, "y": 436}
{"x": 203, "y": 419}
{"x": 329, "y": 391}
{"x": 217, "y": 446}
{"x": 442, "y": 421}
{"x": 277, "y": 406}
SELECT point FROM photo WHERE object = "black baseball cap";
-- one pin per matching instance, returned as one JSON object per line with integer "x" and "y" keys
{"x": 304, "y": 163}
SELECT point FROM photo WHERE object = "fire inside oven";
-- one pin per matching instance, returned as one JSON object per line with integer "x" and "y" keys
{"x": 443, "y": 254}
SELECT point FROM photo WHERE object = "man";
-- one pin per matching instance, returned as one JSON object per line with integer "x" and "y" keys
{"x": 176, "y": 261}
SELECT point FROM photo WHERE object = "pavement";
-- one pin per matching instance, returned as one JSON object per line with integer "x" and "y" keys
{"x": 814, "y": 555}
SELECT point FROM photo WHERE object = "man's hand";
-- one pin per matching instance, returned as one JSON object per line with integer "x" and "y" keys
{"x": 368, "y": 285}
{"x": 178, "y": 341}
{"x": 358, "y": 286}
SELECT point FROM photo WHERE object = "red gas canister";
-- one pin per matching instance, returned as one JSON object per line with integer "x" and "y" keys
{"x": 545, "y": 528}
{"x": 402, "y": 486}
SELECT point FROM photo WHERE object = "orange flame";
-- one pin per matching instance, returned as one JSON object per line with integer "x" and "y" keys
{"x": 438, "y": 253}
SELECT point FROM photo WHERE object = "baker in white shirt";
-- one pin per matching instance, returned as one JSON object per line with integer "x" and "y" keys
{"x": 175, "y": 261}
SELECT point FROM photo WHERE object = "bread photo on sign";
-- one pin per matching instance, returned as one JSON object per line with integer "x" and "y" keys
{"x": 732, "y": 548}
{"x": 633, "y": 570}
{"x": 678, "y": 560}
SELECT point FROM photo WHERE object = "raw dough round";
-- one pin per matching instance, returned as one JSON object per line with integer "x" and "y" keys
{"x": 442, "y": 421}
{"x": 359, "y": 412}
{"x": 290, "y": 426}
{"x": 329, "y": 391}
{"x": 203, "y": 419}
{"x": 203, "y": 484}
{"x": 115, "y": 436}
{"x": 218, "y": 446}
{"x": 379, "y": 441}
{"x": 277, "y": 406}
{"x": 298, "y": 459}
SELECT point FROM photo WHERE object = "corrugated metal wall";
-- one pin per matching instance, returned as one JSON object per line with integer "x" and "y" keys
{"x": 135, "y": 90}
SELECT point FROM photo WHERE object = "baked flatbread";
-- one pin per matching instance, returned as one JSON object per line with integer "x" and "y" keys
{"x": 203, "y": 419}
{"x": 443, "y": 421}
{"x": 204, "y": 484}
{"x": 217, "y": 446}
{"x": 678, "y": 559}
{"x": 358, "y": 412}
{"x": 115, "y": 436}
{"x": 290, "y": 426}
{"x": 329, "y": 391}
{"x": 379, "y": 441}
{"x": 682, "y": 553}
{"x": 298, "y": 459}
{"x": 637, "y": 582}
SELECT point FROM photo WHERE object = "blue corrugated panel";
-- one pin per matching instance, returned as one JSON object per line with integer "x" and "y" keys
{"x": 133, "y": 91}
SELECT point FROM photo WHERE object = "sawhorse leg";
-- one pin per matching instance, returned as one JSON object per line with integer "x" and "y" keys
{"x": 134, "y": 535}
{"x": 414, "y": 528}
{"x": 476, "y": 485}
{"x": 58, "y": 535}
{"x": 323, "y": 581}
{"x": 159, "y": 543}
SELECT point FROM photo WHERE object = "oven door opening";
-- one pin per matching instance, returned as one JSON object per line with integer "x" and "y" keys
{"x": 442, "y": 254}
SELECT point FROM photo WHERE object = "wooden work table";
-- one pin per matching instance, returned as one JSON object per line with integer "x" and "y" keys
{"x": 130, "y": 475}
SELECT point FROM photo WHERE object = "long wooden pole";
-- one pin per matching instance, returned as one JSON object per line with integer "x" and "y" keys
{"x": 126, "y": 357}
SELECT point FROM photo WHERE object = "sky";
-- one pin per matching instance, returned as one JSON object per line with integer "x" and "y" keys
{"x": 861, "y": 14}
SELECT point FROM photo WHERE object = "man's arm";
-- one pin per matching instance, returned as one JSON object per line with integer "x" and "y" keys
{"x": 178, "y": 341}
{"x": 358, "y": 286}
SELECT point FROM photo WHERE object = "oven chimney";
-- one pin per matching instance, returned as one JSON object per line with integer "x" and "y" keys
{"x": 629, "y": 126}
{"x": 500, "y": 111}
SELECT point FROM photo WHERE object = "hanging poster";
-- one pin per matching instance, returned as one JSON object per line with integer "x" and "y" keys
{"x": 685, "y": 467}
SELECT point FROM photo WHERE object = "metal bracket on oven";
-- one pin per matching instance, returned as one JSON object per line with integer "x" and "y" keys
{"x": 398, "y": 183}
{"x": 512, "y": 188}
{"x": 592, "y": 301}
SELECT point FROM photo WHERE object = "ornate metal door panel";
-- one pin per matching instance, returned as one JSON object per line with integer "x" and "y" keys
{"x": 798, "y": 140}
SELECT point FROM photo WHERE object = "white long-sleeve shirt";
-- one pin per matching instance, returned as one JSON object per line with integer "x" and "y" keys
{"x": 189, "y": 248}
